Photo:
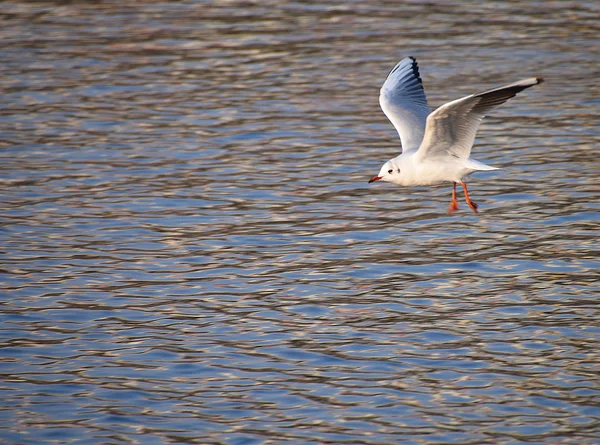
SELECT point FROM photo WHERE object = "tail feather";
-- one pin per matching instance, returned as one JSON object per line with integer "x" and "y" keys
{"x": 480, "y": 166}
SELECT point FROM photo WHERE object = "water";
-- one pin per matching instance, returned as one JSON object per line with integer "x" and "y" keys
{"x": 192, "y": 253}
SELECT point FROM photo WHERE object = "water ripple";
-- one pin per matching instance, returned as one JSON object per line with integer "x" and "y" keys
{"x": 191, "y": 253}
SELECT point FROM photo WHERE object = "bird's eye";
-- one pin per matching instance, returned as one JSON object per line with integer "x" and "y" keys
{"x": 390, "y": 171}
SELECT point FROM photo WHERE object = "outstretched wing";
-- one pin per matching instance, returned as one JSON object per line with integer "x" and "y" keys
{"x": 452, "y": 127}
{"x": 402, "y": 99}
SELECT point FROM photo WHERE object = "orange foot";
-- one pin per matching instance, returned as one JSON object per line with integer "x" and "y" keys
{"x": 453, "y": 206}
{"x": 473, "y": 206}
{"x": 468, "y": 200}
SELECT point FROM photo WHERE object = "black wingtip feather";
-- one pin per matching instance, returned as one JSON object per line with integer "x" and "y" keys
{"x": 498, "y": 96}
{"x": 415, "y": 68}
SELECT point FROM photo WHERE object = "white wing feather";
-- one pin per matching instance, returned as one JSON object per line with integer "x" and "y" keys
{"x": 402, "y": 99}
{"x": 452, "y": 127}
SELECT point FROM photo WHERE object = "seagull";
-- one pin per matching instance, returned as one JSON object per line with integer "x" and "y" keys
{"x": 436, "y": 145}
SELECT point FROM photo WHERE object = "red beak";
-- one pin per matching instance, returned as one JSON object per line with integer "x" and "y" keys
{"x": 374, "y": 178}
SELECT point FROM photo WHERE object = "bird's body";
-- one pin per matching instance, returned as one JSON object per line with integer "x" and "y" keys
{"x": 436, "y": 145}
{"x": 416, "y": 171}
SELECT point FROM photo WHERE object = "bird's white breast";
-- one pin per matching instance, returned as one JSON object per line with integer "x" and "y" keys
{"x": 431, "y": 171}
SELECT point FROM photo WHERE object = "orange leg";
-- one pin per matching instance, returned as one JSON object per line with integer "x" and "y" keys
{"x": 471, "y": 203}
{"x": 454, "y": 203}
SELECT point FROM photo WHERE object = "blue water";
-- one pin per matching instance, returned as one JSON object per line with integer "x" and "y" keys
{"x": 192, "y": 254}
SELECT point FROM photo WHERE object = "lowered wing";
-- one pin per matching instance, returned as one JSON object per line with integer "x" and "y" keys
{"x": 452, "y": 127}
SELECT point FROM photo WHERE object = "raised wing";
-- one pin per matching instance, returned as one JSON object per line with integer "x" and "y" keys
{"x": 402, "y": 99}
{"x": 452, "y": 127}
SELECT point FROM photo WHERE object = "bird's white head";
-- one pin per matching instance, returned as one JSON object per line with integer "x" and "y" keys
{"x": 390, "y": 172}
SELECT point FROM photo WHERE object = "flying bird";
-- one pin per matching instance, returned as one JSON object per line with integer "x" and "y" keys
{"x": 436, "y": 145}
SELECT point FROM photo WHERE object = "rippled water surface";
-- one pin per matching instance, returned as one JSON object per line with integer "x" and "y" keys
{"x": 192, "y": 254}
